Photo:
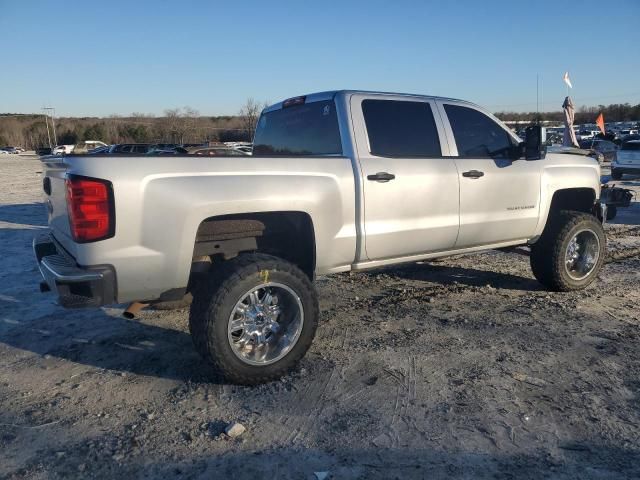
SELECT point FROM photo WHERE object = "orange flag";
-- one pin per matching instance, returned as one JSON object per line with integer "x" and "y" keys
{"x": 600, "y": 123}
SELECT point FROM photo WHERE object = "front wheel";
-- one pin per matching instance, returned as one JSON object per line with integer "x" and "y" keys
{"x": 254, "y": 318}
{"x": 570, "y": 253}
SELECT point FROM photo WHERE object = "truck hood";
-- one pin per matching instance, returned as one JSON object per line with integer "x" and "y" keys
{"x": 571, "y": 168}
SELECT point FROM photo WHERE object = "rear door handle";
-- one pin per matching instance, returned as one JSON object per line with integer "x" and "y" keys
{"x": 473, "y": 174}
{"x": 381, "y": 177}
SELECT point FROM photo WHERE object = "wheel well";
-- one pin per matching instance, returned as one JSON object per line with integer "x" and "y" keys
{"x": 288, "y": 235}
{"x": 577, "y": 199}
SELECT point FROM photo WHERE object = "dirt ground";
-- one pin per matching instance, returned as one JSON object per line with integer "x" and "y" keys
{"x": 461, "y": 368}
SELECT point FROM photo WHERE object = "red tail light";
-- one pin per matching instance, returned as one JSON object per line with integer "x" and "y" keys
{"x": 90, "y": 205}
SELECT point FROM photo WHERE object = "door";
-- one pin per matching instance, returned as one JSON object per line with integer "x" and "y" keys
{"x": 410, "y": 190}
{"x": 499, "y": 197}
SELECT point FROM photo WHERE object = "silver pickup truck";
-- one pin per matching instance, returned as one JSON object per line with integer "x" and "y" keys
{"x": 339, "y": 181}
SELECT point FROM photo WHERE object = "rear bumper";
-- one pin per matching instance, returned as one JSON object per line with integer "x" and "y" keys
{"x": 75, "y": 286}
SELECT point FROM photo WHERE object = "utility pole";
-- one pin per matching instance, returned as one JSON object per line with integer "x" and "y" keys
{"x": 46, "y": 121}
{"x": 53, "y": 124}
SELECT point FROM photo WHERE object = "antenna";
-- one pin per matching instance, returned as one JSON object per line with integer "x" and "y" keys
{"x": 542, "y": 94}
{"x": 537, "y": 96}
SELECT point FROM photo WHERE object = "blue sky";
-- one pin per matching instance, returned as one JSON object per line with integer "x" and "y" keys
{"x": 94, "y": 58}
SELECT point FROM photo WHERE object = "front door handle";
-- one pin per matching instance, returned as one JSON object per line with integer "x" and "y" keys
{"x": 381, "y": 177}
{"x": 473, "y": 174}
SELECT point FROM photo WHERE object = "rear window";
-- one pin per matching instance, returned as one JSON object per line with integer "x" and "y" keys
{"x": 401, "y": 129}
{"x": 308, "y": 129}
{"x": 630, "y": 146}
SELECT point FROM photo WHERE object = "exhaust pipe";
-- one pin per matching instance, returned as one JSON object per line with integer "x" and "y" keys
{"x": 133, "y": 309}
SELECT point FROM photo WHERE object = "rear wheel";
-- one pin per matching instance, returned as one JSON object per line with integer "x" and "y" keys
{"x": 254, "y": 318}
{"x": 570, "y": 253}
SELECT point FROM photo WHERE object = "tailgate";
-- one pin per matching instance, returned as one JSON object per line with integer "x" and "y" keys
{"x": 55, "y": 192}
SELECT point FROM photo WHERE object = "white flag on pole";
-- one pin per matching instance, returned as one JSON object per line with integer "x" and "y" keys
{"x": 567, "y": 80}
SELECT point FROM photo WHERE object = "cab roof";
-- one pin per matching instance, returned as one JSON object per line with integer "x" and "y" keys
{"x": 331, "y": 94}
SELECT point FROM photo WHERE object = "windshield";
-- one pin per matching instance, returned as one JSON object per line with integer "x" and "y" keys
{"x": 307, "y": 129}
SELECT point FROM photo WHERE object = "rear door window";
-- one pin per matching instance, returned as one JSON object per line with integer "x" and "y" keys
{"x": 307, "y": 129}
{"x": 477, "y": 135}
{"x": 401, "y": 129}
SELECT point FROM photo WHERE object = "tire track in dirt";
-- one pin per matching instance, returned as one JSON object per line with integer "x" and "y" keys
{"x": 620, "y": 255}
{"x": 300, "y": 421}
{"x": 318, "y": 404}
{"x": 405, "y": 398}
{"x": 623, "y": 232}
{"x": 315, "y": 413}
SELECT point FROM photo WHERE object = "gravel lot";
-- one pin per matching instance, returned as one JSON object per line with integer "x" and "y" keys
{"x": 461, "y": 368}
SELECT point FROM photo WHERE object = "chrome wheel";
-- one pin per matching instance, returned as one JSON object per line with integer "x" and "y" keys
{"x": 265, "y": 323}
{"x": 583, "y": 252}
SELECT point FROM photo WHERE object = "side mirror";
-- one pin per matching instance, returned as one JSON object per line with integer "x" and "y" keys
{"x": 535, "y": 139}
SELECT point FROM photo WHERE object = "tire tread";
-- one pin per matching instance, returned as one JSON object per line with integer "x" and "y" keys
{"x": 209, "y": 297}
{"x": 547, "y": 254}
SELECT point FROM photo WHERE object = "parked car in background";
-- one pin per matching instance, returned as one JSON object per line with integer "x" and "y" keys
{"x": 129, "y": 148}
{"x": 586, "y": 134}
{"x": 163, "y": 146}
{"x": 627, "y": 160}
{"x": 43, "y": 151}
{"x": 98, "y": 150}
{"x": 605, "y": 147}
{"x": 175, "y": 150}
{"x": 12, "y": 150}
{"x": 87, "y": 145}
{"x": 3, "y": 152}
{"x": 217, "y": 151}
{"x": 627, "y": 131}
{"x": 628, "y": 138}
{"x": 63, "y": 149}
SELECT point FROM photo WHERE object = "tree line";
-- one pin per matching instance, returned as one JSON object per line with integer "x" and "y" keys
{"x": 616, "y": 112}
{"x": 186, "y": 125}
{"x": 178, "y": 125}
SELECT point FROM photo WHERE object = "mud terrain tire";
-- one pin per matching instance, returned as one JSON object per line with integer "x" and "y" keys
{"x": 217, "y": 300}
{"x": 551, "y": 254}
